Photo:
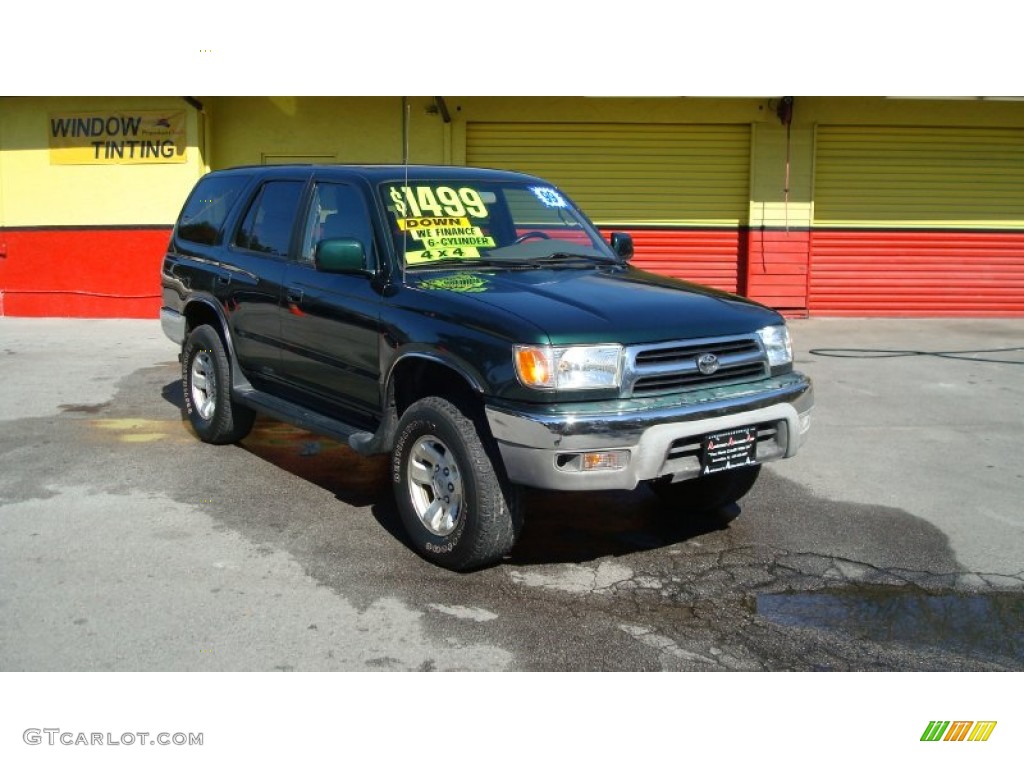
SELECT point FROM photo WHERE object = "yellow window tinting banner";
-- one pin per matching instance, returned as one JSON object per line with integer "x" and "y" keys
{"x": 114, "y": 138}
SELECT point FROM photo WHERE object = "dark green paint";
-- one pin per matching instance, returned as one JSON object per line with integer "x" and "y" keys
{"x": 308, "y": 332}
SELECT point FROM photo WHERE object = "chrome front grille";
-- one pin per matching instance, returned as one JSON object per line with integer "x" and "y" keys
{"x": 653, "y": 369}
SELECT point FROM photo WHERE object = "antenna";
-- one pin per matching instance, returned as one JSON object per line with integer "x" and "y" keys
{"x": 406, "y": 117}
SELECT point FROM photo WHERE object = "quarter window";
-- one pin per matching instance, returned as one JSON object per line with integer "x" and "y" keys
{"x": 207, "y": 208}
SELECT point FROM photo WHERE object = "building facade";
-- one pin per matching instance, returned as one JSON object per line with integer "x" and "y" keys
{"x": 820, "y": 206}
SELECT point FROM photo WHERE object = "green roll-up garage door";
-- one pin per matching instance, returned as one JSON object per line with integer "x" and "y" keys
{"x": 918, "y": 220}
{"x": 681, "y": 190}
{"x": 623, "y": 173}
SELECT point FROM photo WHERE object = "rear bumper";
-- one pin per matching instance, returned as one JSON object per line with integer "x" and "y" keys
{"x": 662, "y": 435}
{"x": 173, "y": 325}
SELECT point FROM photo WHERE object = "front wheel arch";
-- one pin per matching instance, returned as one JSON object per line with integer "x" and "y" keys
{"x": 416, "y": 376}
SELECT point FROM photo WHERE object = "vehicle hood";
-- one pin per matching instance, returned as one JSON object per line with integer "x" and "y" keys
{"x": 573, "y": 305}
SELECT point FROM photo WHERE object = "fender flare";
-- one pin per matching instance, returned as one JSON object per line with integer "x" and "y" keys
{"x": 452, "y": 363}
{"x": 239, "y": 382}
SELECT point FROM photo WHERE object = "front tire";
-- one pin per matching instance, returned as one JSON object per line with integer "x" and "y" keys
{"x": 708, "y": 493}
{"x": 457, "y": 507}
{"x": 206, "y": 380}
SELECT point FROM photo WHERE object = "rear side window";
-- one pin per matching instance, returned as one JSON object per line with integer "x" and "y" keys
{"x": 207, "y": 208}
{"x": 267, "y": 226}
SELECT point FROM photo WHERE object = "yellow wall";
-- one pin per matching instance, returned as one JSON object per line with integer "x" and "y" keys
{"x": 503, "y": 109}
{"x": 258, "y": 129}
{"x": 907, "y": 176}
{"x": 34, "y": 192}
{"x": 253, "y": 130}
{"x": 768, "y": 201}
{"x": 767, "y": 204}
{"x": 634, "y": 174}
{"x": 838, "y": 110}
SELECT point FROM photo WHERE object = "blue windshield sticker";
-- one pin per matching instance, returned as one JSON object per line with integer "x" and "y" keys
{"x": 549, "y": 197}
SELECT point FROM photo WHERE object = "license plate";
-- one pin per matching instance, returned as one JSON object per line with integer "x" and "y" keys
{"x": 729, "y": 450}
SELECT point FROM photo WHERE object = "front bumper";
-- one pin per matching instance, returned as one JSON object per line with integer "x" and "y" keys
{"x": 663, "y": 435}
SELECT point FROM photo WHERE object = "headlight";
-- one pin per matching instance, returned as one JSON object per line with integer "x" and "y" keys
{"x": 777, "y": 344}
{"x": 560, "y": 368}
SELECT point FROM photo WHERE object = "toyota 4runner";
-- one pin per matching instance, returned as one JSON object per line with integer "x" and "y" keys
{"x": 476, "y": 326}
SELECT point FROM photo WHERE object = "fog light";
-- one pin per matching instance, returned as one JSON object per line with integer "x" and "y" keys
{"x": 605, "y": 460}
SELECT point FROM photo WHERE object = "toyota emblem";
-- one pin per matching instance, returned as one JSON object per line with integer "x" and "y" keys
{"x": 707, "y": 364}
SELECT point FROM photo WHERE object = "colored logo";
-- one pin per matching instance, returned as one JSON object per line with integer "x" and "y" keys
{"x": 463, "y": 282}
{"x": 707, "y": 364}
{"x": 958, "y": 730}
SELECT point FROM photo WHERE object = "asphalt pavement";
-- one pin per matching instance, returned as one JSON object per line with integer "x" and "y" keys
{"x": 894, "y": 541}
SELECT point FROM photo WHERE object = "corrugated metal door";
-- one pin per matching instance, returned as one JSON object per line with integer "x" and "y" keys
{"x": 682, "y": 191}
{"x": 911, "y": 220}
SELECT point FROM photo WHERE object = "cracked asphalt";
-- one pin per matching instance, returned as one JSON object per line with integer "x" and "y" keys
{"x": 892, "y": 543}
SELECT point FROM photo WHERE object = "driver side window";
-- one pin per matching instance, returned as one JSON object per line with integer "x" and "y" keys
{"x": 336, "y": 211}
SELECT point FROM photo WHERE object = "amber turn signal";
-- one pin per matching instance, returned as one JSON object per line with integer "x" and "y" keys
{"x": 533, "y": 364}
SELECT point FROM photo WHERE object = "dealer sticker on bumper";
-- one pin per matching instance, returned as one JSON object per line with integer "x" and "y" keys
{"x": 729, "y": 450}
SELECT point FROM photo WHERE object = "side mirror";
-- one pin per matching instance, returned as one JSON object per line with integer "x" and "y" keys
{"x": 340, "y": 254}
{"x": 622, "y": 244}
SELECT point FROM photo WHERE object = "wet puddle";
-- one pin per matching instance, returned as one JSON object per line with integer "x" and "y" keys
{"x": 988, "y": 626}
{"x": 356, "y": 479}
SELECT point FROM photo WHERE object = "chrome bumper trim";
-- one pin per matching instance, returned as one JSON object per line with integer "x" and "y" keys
{"x": 173, "y": 325}
{"x": 531, "y": 441}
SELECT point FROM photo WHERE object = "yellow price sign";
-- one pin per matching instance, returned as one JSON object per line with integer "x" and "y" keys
{"x": 437, "y": 202}
{"x": 443, "y": 237}
{"x": 434, "y": 255}
{"x": 421, "y": 223}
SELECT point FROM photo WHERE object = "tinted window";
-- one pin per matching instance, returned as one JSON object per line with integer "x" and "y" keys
{"x": 337, "y": 210}
{"x": 267, "y": 226}
{"x": 208, "y": 207}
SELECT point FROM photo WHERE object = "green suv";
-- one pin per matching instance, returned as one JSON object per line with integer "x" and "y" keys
{"x": 475, "y": 325}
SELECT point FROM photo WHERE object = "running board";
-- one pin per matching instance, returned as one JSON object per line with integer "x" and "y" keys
{"x": 303, "y": 418}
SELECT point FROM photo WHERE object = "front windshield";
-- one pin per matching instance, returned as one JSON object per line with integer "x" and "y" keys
{"x": 447, "y": 221}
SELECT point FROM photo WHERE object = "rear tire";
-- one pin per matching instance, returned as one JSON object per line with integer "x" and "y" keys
{"x": 708, "y": 493}
{"x": 206, "y": 381}
{"x": 457, "y": 507}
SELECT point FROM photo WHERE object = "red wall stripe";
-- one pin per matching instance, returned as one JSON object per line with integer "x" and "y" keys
{"x": 82, "y": 272}
{"x": 917, "y": 273}
{"x": 776, "y": 268}
{"x": 707, "y": 256}
{"x": 100, "y": 272}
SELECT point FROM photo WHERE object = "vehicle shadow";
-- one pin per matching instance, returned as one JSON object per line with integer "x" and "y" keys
{"x": 558, "y": 527}
{"x": 173, "y": 394}
{"x": 358, "y": 481}
{"x": 575, "y": 527}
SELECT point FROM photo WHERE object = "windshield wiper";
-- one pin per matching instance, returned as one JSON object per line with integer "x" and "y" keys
{"x": 469, "y": 261}
{"x": 567, "y": 256}
{"x": 559, "y": 258}
{"x": 571, "y": 260}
